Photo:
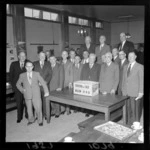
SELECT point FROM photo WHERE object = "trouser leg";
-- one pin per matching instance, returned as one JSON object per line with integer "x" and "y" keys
{"x": 19, "y": 102}
{"x": 43, "y": 102}
{"x": 29, "y": 110}
{"x": 139, "y": 106}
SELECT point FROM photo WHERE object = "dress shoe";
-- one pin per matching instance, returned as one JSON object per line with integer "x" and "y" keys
{"x": 87, "y": 115}
{"x": 75, "y": 111}
{"x": 56, "y": 116}
{"x": 40, "y": 124}
{"x": 63, "y": 113}
{"x": 52, "y": 115}
{"x": 29, "y": 123}
{"x": 18, "y": 121}
{"x": 26, "y": 116}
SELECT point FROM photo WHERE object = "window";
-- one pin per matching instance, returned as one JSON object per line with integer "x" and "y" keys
{"x": 46, "y": 15}
{"x": 28, "y": 12}
{"x": 79, "y": 21}
{"x": 8, "y": 9}
{"x": 54, "y": 16}
{"x": 36, "y": 13}
{"x": 99, "y": 25}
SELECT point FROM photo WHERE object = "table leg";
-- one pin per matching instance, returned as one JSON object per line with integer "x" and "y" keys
{"x": 107, "y": 115}
{"x": 48, "y": 116}
{"x": 124, "y": 114}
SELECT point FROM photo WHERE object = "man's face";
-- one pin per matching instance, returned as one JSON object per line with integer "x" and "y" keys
{"x": 108, "y": 57}
{"x": 64, "y": 55}
{"x": 85, "y": 54}
{"x": 47, "y": 54}
{"x": 42, "y": 56}
{"x": 114, "y": 52}
{"x": 22, "y": 56}
{"x": 52, "y": 60}
{"x": 122, "y": 37}
{"x": 72, "y": 54}
{"x": 29, "y": 67}
{"x": 77, "y": 59}
{"x": 131, "y": 57}
{"x": 122, "y": 55}
{"x": 87, "y": 40}
{"x": 102, "y": 39}
{"x": 92, "y": 58}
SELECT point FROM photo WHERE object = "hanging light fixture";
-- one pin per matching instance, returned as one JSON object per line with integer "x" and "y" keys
{"x": 82, "y": 31}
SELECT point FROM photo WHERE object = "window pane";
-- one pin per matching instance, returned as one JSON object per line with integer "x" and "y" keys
{"x": 8, "y": 9}
{"x": 54, "y": 16}
{"x": 28, "y": 12}
{"x": 46, "y": 15}
{"x": 36, "y": 13}
{"x": 85, "y": 22}
{"x": 80, "y": 21}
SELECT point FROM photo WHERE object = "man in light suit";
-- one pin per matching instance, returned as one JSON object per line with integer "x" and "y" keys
{"x": 67, "y": 64}
{"x": 72, "y": 55}
{"x": 132, "y": 86}
{"x": 115, "y": 55}
{"x": 56, "y": 83}
{"x": 16, "y": 68}
{"x": 28, "y": 84}
{"x": 85, "y": 57}
{"x": 44, "y": 68}
{"x": 88, "y": 46}
{"x": 125, "y": 45}
{"x": 102, "y": 49}
{"x": 109, "y": 76}
{"x": 122, "y": 63}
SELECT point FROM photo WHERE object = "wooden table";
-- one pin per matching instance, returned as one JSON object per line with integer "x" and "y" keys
{"x": 101, "y": 103}
{"x": 91, "y": 135}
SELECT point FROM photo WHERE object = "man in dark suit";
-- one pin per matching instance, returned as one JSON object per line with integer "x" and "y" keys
{"x": 125, "y": 45}
{"x": 88, "y": 46}
{"x": 44, "y": 68}
{"x": 115, "y": 55}
{"x": 132, "y": 86}
{"x": 91, "y": 70}
{"x": 16, "y": 68}
{"x": 122, "y": 63}
{"x": 102, "y": 49}
{"x": 56, "y": 83}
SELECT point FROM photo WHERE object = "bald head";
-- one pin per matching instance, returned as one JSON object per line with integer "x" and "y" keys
{"x": 102, "y": 39}
{"x": 108, "y": 57}
{"x": 87, "y": 40}
{"x": 92, "y": 58}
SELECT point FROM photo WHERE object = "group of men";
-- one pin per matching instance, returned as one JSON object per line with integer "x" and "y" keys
{"x": 116, "y": 70}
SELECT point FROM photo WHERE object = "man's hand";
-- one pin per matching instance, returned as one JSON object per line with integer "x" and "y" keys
{"x": 112, "y": 91}
{"x": 140, "y": 95}
{"x": 58, "y": 89}
{"x": 46, "y": 94}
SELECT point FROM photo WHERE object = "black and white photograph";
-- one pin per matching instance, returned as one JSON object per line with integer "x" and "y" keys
{"x": 75, "y": 73}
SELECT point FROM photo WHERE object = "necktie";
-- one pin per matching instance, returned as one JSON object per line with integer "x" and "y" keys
{"x": 30, "y": 78}
{"x": 100, "y": 47}
{"x": 91, "y": 65}
{"x": 42, "y": 64}
{"x": 129, "y": 69}
{"x": 22, "y": 65}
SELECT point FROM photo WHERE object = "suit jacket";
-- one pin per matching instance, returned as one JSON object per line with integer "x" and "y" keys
{"x": 127, "y": 47}
{"x": 67, "y": 73}
{"x": 84, "y": 48}
{"x": 133, "y": 84}
{"x": 90, "y": 74}
{"x": 121, "y": 66}
{"x": 45, "y": 72}
{"x": 57, "y": 79}
{"x": 32, "y": 91}
{"x": 15, "y": 71}
{"x": 109, "y": 77}
{"x": 76, "y": 72}
{"x": 140, "y": 57}
{"x": 103, "y": 51}
{"x": 117, "y": 60}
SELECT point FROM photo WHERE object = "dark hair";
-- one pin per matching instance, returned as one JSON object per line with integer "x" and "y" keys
{"x": 28, "y": 61}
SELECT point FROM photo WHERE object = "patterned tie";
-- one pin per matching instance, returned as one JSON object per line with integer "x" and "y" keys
{"x": 129, "y": 69}
{"x": 42, "y": 64}
{"x": 22, "y": 65}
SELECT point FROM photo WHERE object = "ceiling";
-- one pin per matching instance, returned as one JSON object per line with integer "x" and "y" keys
{"x": 104, "y": 12}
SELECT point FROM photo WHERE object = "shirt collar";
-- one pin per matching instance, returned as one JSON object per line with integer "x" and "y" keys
{"x": 123, "y": 60}
{"x": 29, "y": 73}
{"x": 41, "y": 62}
{"x": 132, "y": 64}
{"x": 115, "y": 57}
{"x": 64, "y": 62}
{"x": 108, "y": 64}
